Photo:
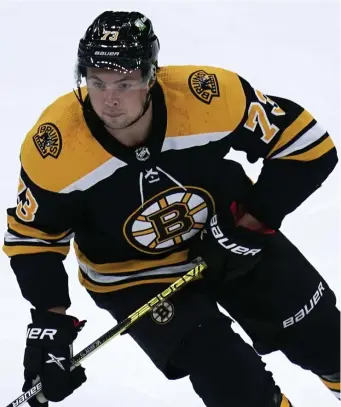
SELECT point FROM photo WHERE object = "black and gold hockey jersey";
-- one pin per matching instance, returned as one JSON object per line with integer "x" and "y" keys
{"x": 133, "y": 211}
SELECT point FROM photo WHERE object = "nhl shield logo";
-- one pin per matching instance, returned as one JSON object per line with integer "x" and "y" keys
{"x": 142, "y": 153}
{"x": 48, "y": 140}
{"x": 162, "y": 313}
{"x": 204, "y": 86}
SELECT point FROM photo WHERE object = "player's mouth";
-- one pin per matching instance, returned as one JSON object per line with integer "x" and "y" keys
{"x": 113, "y": 114}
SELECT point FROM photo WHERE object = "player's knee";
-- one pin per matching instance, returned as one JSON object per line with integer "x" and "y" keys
{"x": 222, "y": 366}
{"x": 321, "y": 331}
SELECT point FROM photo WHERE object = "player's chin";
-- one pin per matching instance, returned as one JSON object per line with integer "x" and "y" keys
{"x": 115, "y": 123}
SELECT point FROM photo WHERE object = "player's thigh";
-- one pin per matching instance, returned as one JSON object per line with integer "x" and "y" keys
{"x": 160, "y": 333}
{"x": 284, "y": 302}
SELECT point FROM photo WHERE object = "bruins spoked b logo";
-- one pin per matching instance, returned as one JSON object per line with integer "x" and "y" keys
{"x": 48, "y": 140}
{"x": 168, "y": 219}
{"x": 204, "y": 86}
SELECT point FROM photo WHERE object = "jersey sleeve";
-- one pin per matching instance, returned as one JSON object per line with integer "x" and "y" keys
{"x": 298, "y": 154}
{"x": 37, "y": 240}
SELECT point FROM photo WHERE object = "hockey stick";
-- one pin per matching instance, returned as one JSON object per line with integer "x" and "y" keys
{"x": 191, "y": 275}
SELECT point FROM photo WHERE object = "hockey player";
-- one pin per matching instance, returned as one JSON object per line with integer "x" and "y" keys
{"x": 132, "y": 166}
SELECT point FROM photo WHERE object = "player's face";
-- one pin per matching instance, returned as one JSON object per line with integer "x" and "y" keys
{"x": 117, "y": 98}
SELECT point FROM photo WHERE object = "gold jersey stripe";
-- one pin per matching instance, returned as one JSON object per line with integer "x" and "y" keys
{"x": 29, "y": 231}
{"x": 313, "y": 153}
{"x": 106, "y": 289}
{"x": 330, "y": 385}
{"x": 16, "y": 250}
{"x": 290, "y": 132}
{"x": 131, "y": 266}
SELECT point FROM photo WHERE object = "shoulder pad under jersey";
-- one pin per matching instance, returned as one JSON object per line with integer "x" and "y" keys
{"x": 60, "y": 149}
{"x": 203, "y": 99}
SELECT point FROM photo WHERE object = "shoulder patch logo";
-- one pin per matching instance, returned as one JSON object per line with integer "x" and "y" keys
{"x": 204, "y": 86}
{"x": 48, "y": 140}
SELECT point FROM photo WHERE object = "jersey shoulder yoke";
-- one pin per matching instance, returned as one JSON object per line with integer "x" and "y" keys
{"x": 60, "y": 149}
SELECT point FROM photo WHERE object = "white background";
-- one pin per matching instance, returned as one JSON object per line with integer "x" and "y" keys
{"x": 289, "y": 48}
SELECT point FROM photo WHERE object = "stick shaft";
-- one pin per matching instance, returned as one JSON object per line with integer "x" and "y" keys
{"x": 118, "y": 329}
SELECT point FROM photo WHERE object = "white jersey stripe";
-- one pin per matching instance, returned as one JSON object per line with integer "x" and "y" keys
{"x": 159, "y": 272}
{"x": 307, "y": 138}
{"x": 112, "y": 165}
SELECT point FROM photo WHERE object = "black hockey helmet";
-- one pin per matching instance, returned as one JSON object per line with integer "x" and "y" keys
{"x": 121, "y": 41}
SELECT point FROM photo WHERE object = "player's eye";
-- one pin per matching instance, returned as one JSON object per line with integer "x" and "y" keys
{"x": 98, "y": 85}
{"x": 124, "y": 85}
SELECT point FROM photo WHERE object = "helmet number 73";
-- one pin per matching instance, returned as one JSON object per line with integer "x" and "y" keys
{"x": 109, "y": 35}
{"x": 258, "y": 116}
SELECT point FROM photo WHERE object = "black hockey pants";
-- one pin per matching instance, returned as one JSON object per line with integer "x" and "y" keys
{"x": 283, "y": 304}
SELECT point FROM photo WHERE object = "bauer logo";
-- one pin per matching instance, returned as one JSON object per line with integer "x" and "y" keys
{"x": 107, "y": 53}
{"x": 307, "y": 308}
{"x": 204, "y": 86}
{"x": 168, "y": 219}
{"x": 24, "y": 397}
{"x": 162, "y": 313}
{"x": 48, "y": 140}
